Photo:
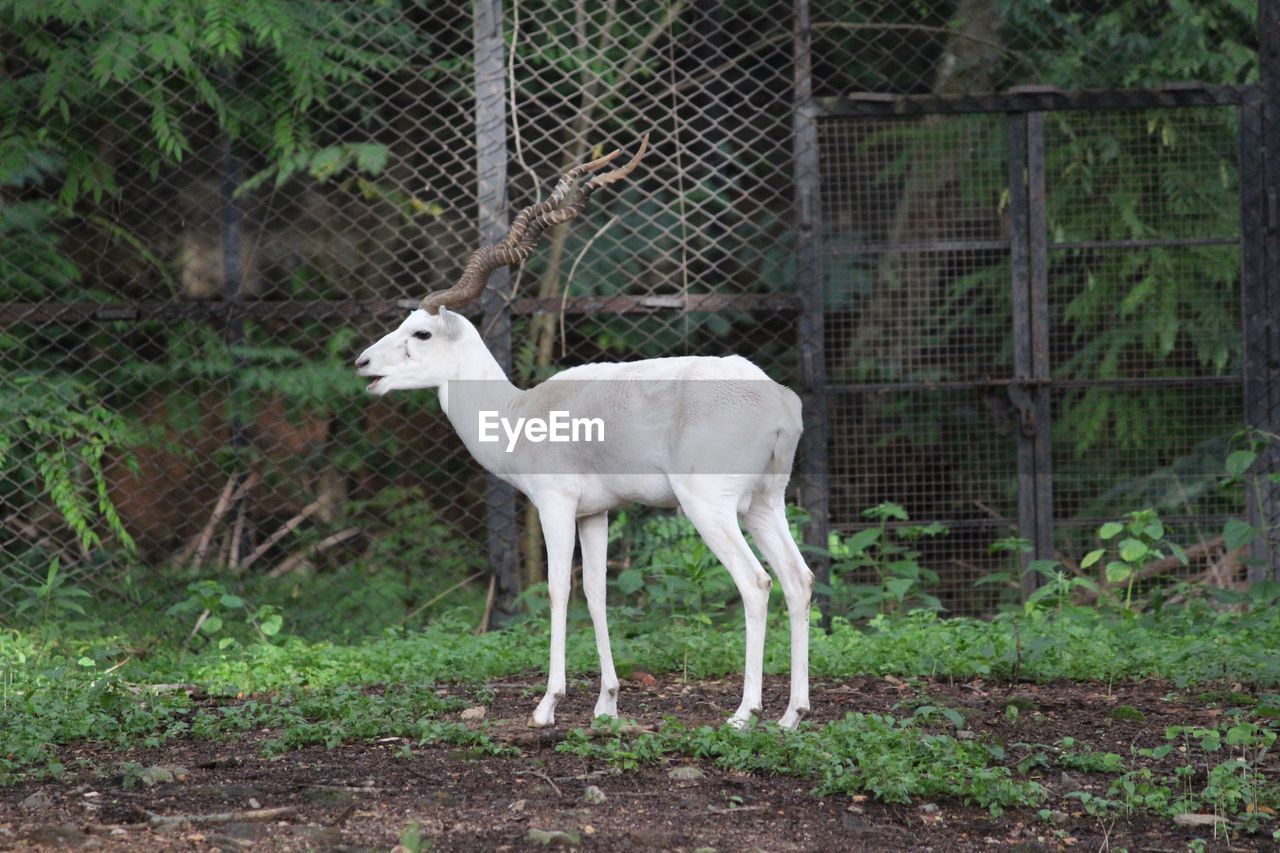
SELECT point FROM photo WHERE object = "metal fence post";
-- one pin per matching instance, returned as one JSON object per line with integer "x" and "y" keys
{"x": 233, "y": 296}
{"x": 1260, "y": 298}
{"x": 502, "y": 536}
{"x": 1038, "y": 250}
{"x": 1019, "y": 278}
{"x": 809, "y": 289}
{"x": 1029, "y": 392}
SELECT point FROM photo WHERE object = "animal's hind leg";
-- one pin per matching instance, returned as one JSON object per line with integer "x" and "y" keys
{"x": 716, "y": 519}
{"x": 593, "y": 536}
{"x": 767, "y": 522}
{"x": 558, "y": 531}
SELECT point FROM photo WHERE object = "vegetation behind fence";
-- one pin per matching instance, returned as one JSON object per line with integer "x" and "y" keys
{"x": 209, "y": 208}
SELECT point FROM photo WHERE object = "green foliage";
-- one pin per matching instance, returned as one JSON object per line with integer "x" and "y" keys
{"x": 894, "y": 759}
{"x": 889, "y": 559}
{"x": 1146, "y": 42}
{"x": 55, "y": 440}
{"x": 670, "y": 572}
{"x": 1217, "y": 772}
{"x": 1138, "y": 541}
{"x": 55, "y": 595}
{"x": 216, "y": 606}
{"x": 57, "y": 689}
{"x": 265, "y": 71}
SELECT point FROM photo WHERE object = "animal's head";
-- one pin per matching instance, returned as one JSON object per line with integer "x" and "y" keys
{"x": 430, "y": 347}
{"x": 426, "y": 351}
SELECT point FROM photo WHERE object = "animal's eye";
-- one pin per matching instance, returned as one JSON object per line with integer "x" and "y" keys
{"x": 423, "y": 335}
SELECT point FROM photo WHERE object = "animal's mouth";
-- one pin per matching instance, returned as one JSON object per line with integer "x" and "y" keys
{"x": 372, "y": 387}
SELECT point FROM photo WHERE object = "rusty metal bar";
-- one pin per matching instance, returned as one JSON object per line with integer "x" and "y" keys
{"x": 1034, "y": 99}
{"x": 1032, "y": 383}
{"x": 1260, "y": 217}
{"x": 815, "y": 482}
{"x": 1023, "y": 361}
{"x": 1037, "y": 242}
{"x": 502, "y": 532}
{"x": 43, "y": 313}
{"x": 1155, "y": 243}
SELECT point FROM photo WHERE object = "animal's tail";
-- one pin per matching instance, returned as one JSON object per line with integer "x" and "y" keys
{"x": 788, "y": 438}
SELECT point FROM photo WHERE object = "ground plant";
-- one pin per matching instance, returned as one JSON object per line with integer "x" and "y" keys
{"x": 243, "y": 607}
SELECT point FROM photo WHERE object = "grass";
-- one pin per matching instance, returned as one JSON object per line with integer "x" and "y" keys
{"x": 100, "y": 687}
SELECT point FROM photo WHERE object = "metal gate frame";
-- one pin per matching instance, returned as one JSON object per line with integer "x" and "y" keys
{"x": 1029, "y": 390}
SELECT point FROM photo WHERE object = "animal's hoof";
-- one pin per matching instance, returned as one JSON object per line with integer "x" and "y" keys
{"x": 534, "y": 724}
{"x": 738, "y": 722}
{"x": 791, "y": 719}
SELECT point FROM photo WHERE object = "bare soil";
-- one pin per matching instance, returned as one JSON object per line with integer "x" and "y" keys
{"x": 362, "y": 796}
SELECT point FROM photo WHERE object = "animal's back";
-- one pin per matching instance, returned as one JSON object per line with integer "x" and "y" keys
{"x": 682, "y": 367}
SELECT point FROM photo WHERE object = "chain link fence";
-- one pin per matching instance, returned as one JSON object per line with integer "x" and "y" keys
{"x": 208, "y": 212}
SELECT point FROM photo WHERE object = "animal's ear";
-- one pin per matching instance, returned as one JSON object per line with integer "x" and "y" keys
{"x": 450, "y": 327}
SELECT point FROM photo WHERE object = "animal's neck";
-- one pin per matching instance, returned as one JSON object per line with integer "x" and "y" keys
{"x": 481, "y": 386}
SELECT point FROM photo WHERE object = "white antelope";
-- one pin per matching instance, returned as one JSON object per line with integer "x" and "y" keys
{"x": 714, "y": 436}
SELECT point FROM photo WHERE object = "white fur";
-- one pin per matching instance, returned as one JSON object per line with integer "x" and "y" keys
{"x": 742, "y": 442}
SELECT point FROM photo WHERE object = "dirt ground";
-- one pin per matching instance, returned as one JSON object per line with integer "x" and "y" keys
{"x": 362, "y": 796}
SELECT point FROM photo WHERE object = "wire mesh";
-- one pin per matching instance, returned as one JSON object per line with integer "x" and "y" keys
{"x": 256, "y": 453}
{"x": 206, "y": 218}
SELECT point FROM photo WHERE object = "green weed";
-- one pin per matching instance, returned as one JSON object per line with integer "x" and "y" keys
{"x": 893, "y": 759}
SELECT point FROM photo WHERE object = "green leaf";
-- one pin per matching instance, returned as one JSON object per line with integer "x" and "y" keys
{"x": 863, "y": 539}
{"x": 1046, "y": 568}
{"x": 899, "y": 587}
{"x": 630, "y": 581}
{"x": 272, "y": 624}
{"x": 1237, "y": 534}
{"x": 886, "y": 510}
{"x": 212, "y": 625}
{"x": 1240, "y": 461}
{"x": 1118, "y": 572}
{"x": 232, "y": 601}
{"x": 1133, "y": 550}
{"x": 371, "y": 159}
{"x": 1092, "y": 557}
{"x": 1110, "y": 530}
{"x": 86, "y": 662}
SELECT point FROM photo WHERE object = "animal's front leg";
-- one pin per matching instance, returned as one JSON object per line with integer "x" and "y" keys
{"x": 593, "y": 535}
{"x": 557, "y": 529}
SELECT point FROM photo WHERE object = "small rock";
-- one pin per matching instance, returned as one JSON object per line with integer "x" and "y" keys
{"x": 148, "y": 777}
{"x": 1192, "y": 819}
{"x": 594, "y": 796}
{"x": 66, "y": 835}
{"x": 35, "y": 802}
{"x": 316, "y": 837}
{"x": 686, "y": 773}
{"x": 965, "y": 734}
{"x": 254, "y": 804}
{"x": 335, "y": 797}
{"x": 553, "y": 838}
{"x": 1023, "y": 702}
{"x": 928, "y": 808}
{"x": 517, "y": 808}
{"x": 474, "y": 714}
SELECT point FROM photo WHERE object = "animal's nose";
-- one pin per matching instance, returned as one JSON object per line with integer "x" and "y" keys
{"x": 362, "y": 362}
